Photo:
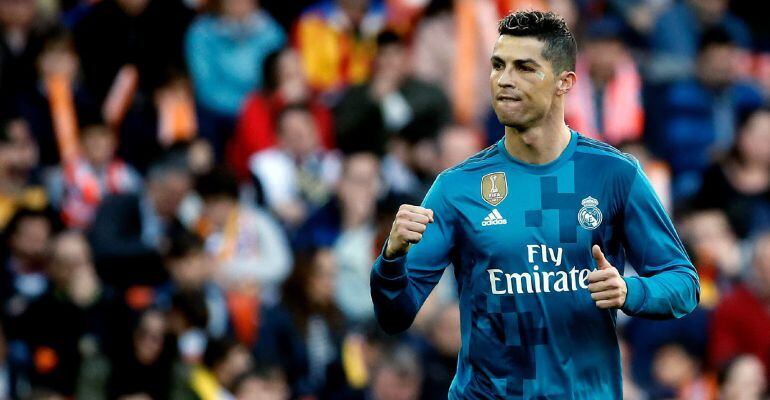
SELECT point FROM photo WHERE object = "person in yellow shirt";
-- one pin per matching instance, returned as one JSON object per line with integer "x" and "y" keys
{"x": 336, "y": 40}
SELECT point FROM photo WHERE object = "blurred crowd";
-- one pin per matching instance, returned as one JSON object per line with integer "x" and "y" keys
{"x": 192, "y": 192}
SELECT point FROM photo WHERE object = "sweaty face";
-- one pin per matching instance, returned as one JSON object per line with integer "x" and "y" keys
{"x": 522, "y": 81}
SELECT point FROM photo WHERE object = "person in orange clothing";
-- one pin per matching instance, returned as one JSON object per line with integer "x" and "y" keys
{"x": 336, "y": 40}
{"x": 607, "y": 103}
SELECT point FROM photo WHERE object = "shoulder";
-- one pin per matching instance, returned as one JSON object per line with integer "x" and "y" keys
{"x": 269, "y": 25}
{"x": 121, "y": 201}
{"x": 609, "y": 154}
{"x": 603, "y": 161}
{"x": 747, "y": 92}
{"x": 450, "y": 179}
{"x": 201, "y": 27}
{"x": 270, "y": 157}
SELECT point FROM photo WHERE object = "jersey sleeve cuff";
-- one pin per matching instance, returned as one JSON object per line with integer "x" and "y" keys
{"x": 635, "y": 295}
{"x": 390, "y": 268}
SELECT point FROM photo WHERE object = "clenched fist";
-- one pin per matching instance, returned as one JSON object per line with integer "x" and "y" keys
{"x": 410, "y": 224}
{"x": 608, "y": 289}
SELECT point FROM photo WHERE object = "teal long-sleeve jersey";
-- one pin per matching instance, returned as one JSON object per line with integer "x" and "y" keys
{"x": 520, "y": 237}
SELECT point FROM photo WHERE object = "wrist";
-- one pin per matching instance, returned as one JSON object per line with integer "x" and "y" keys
{"x": 635, "y": 295}
{"x": 391, "y": 253}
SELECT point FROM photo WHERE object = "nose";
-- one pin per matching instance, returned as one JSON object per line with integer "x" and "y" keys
{"x": 506, "y": 79}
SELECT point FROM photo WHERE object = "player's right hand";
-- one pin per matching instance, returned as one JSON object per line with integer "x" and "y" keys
{"x": 411, "y": 222}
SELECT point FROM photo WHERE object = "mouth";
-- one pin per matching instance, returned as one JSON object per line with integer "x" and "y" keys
{"x": 508, "y": 98}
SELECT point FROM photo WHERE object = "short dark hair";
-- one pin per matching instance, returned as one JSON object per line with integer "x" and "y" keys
{"x": 191, "y": 305}
{"x": 183, "y": 244}
{"x": 388, "y": 37}
{"x": 217, "y": 351}
{"x": 560, "y": 46}
{"x": 220, "y": 182}
{"x": 716, "y": 36}
{"x": 299, "y": 106}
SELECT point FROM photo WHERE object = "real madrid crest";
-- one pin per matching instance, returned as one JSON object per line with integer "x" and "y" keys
{"x": 494, "y": 188}
{"x": 590, "y": 216}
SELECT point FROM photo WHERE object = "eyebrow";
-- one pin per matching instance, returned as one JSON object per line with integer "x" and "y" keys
{"x": 526, "y": 61}
{"x": 517, "y": 61}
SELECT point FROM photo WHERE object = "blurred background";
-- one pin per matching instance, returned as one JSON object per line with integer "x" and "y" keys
{"x": 192, "y": 192}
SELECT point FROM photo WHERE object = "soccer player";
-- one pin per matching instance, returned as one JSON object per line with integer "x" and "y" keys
{"x": 539, "y": 228}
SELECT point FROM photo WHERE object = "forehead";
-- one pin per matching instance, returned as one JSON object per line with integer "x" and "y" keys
{"x": 511, "y": 48}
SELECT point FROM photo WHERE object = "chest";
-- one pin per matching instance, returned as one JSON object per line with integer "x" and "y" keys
{"x": 508, "y": 210}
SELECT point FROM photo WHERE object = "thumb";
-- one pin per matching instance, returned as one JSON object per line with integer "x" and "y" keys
{"x": 601, "y": 261}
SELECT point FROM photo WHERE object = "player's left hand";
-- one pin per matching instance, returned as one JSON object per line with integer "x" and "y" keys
{"x": 608, "y": 289}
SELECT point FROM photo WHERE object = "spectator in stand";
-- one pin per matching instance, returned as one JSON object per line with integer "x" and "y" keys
{"x": 192, "y": 270}
{"x": 245, "y": 241}
{"x": 57, "y": 64}
{"x": 397, "y": 376}
{"x": 77, "y": 188}
{"x": 717, "y": 255}
{"x": 716, "y": 252}
{"x": 440, "y": 352}
{"x": 741, "y": 378}
{"x": 223, "y": 362}
{"x": 451, "y": 48}
{"x": 676, "y": 33}
{"x": 284, "y": 83}
{"x": 19, "y": 187}
{"x": 187, "y": 321}
{"x": 130, "y": 231}
{"x": 678, "y": 375}
{"x": 226, "y": 51}
{"x": 144, "y": 35}
{"x": 698, "y": 116}
{"x": 264, "y": 383}
{"x": 740, "y": 183}
{"x": 742, "y": 320}
{"x": 143, "y": 366}
{"x": 606, "y": 103}
{"x": 22, "y": 41}
{"x": 347, "y": 222}
{"x": 456, "y": 144}
{"x": 311, "y": 340}
{"x": 71, "y": 321}
{"x": 24, "y": 248}
{"x": 296, "y": 176}
{"x": 392, "y": 104}
{"x": 336, "y": 41}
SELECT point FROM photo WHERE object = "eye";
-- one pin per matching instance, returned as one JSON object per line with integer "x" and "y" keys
{"x": 497, "y": 65}
{"x": 525, "y": 68}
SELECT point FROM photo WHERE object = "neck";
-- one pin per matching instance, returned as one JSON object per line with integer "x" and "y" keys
{"x": 537, "y": 145}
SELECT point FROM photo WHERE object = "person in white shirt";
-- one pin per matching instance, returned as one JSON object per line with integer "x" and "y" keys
{"x": 297, "y": 175}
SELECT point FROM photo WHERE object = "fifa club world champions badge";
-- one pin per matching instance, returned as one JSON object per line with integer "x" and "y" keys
{"x": 494, "y": 188}
{"x": 590, "y": 216}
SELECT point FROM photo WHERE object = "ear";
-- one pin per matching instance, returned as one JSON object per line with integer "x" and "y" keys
{"x": 564, "y": 82}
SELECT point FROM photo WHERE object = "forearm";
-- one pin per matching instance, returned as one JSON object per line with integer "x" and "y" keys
{"x": 669, "y": 294}
{"x": 395, "y": 305}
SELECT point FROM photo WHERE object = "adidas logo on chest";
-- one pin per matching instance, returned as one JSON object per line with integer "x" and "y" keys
{"x": 494, "y": 218}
